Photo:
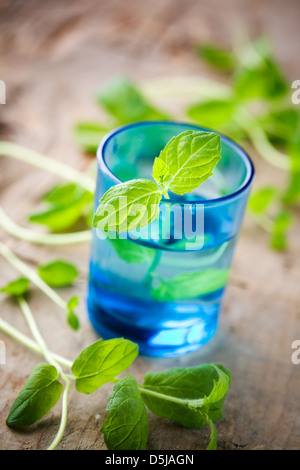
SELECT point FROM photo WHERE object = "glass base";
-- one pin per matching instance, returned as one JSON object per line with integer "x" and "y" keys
{"x": 176, "y": 334}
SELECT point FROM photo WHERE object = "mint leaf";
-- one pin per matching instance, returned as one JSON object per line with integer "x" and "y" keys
{"x": 101, "y": 362}
{"x": 128, "y": 206}
{"x": 261, "y": 200}
{"x": 58, "y": 273}
{"x": 191, "y": 285}
{"x": 63, "y": 193}
{"x": 191, "y": 157}
{"x": 282, "y": 123}
{"x": 212, "y": 113}
{"x": 126, "y": 426}
{"x": 124, "y": 101}
{"x": 63, "y": 211}
{"x": 261, "y": 79}
{"x": 73, "y": 303}
{"x": 258, "y": 75}
{"x": 216, "y": 56}
{"x": 161, "y": 172}
{"x": 282, "y": 223}
{"x": 18, "y": 287}
{"x": 40, "y": 393}
{"x": 88, "y": 135}
{"x": 263, "y": 82}
{"x": 72, "y": 318}
{"x": 188, "y": 396}
{"x": 292, "y": 193}
{"x": 131, "y": 252}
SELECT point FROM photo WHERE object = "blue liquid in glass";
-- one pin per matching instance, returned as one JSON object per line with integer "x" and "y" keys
{"x": 121, "y": 303}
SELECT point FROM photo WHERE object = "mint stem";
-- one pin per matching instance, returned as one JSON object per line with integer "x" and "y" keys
{"x": 41, "y": 238}
{"x": 152, "y": 267}
{"x": 29, "y": 343}
{"x": 49, "y": 358}
{"x": 32, "y": 275}
{"x": 260, "y": 141}
{"x": 39, "y": 160}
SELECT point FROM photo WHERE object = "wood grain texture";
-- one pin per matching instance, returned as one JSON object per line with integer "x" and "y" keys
{"x": 53, "y": 56}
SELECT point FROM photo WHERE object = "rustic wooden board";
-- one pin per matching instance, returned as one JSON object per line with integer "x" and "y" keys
{"x": 53, "y": 56}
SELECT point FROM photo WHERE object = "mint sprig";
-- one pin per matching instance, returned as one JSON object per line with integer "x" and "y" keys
{"x": 186, "y": 162}
{"x": 193, "y": 397}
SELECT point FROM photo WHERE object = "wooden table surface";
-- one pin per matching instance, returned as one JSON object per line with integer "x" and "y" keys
{"x": 53, "y": 57}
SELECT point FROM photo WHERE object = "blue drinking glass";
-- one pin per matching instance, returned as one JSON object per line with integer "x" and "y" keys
{"x": 163, "y": 287}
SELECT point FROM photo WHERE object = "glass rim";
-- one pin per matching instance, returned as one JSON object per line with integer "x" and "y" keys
{"x": 238, "y": 149}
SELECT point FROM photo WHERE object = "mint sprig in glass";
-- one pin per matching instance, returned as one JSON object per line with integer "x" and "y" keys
{"x": 168, "y": 208}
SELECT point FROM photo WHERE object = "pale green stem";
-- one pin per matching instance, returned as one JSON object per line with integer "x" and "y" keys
{"x": 213, "y": 435}
{"x": 32, "y": 275}
{"x": 36, "y": 334}
{"x": 264, "y": 221}
{"x": 64, "y": 414}
{"x": 41, "y": 238}
{"x": 48, "y": 356}
{"x": 179, "y": 86}
{"x": 263, "y": 146}
{"x": 261, "y": 142}
{"x": 39, "y": 160}
{"x": 180, "y": 401}
{"x": 29, "y": 343}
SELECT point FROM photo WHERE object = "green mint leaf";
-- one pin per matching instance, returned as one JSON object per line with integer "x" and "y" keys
{"x": 58, "y": 273}
{"x": 216, "y": 56}
{"x": 64, "y": 210}
{"x": 191, "y": 285}
{"x": 282, "y": 123}
{"x": 263, "y": 82}
{"x": 40, "y": 393}
{"x": 213, "y": 436}
{"x": 183, "y": 395}
{"x": 282, "y": 223}
{"x": 73, "y": 302}
{"x": 72, "y": 318}
{"x": 131, "y": 252}
{"x": 219, "y": 390}
{"x": 213, "y": 113}
{"x": 161, "y": 172}
{"x": 63, "y": 193}
{"x": 101, "y": 362}
{"x": 128, "y": 206}
{"x": 126, "y": 426}
{"x": 258, "y": 75}
{"x": 292, "y": 193}
{"x": 191, "y": 157}
{"x": 262, "y": 199}
{"x": 89, "y": 134}
{"x": 124, "y": 101}
{"x": 18, "y": 287}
